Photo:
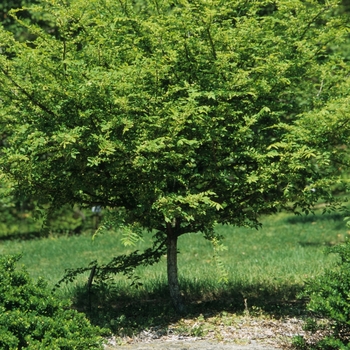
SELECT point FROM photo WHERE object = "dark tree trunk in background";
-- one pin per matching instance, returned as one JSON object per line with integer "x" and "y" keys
{"x": 173, "y": 280}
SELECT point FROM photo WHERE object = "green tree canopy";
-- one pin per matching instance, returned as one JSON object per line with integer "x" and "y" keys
{"x": 177, "y": 114}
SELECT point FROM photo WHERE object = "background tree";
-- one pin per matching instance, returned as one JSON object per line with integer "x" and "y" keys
{"x": 177, "y": 115}
{"x": 18, "y": 213}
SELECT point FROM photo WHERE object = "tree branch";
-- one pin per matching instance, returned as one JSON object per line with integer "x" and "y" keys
{"x": 27, "y": 94}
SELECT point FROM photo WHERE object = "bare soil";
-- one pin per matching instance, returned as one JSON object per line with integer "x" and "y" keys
{"x": 244, "y": 333}
{"x": 190, "y": 345}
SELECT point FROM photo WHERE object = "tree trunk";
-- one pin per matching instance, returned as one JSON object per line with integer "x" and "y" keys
{"x": 173, "y": 280}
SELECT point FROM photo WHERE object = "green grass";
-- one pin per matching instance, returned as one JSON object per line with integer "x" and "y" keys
{"x": 265, "y": 268}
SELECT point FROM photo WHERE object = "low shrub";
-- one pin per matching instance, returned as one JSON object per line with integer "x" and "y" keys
{"x": 32, "y": 317}
{"x": 329, "y": 299}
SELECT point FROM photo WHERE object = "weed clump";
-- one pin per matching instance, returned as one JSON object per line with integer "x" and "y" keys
{"x": 32, "y": 317}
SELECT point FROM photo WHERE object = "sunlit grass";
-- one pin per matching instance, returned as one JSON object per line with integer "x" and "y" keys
{"x": 286, "y": 251}
{"x": 264, "y": 268}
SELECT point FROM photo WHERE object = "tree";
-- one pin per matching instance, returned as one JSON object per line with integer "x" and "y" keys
{"x": 177, "y": 115}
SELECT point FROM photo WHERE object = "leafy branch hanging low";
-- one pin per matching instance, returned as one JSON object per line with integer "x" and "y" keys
{"x": 124, "y": 264}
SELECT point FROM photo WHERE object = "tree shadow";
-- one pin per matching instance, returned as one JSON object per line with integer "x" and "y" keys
{"x": 317, "y": 244}
{"x": 23, "y": 236}
{"x": 311, "y": 218}
{"x": 129, "y": 314}
{"x": 31, "y": 235}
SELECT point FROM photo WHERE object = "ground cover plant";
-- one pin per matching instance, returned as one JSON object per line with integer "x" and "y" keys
{"x": 328, "y": 296}
{"x": 32, "y": 317}
{"x": 176, "y": 115}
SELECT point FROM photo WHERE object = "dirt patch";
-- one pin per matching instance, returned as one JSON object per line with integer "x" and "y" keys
{"x": 190, "y": 345}
{"x": 244, "y": 333}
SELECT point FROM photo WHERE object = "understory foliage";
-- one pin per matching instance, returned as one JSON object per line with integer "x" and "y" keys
{"x": 176, "y": 115}
{"x": 31, "y": 317}
{"x": 329, "y": 297}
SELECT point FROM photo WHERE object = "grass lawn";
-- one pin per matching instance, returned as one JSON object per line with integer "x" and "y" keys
{"x": 265, "y": 269}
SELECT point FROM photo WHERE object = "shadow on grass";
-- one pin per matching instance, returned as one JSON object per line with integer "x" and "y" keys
{"x": 39, "y": 234}
{"x": 318, "y": 244}
{"x": 25, "y": 236}
{"x": 305, "y": 219}
{"x": 128, "y": 314}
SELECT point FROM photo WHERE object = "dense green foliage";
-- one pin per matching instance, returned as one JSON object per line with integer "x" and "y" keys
{"x": 177, "y": 115}
{"x": 204, "y": 106}
{"x": 19, "y": 213}
{"x": 329, "y": 299}
{"x": 32, "y": 317}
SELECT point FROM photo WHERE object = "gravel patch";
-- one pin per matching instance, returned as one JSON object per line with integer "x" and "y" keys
{"x": 244, "y": 333}
{"x": 191, "y": 345}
